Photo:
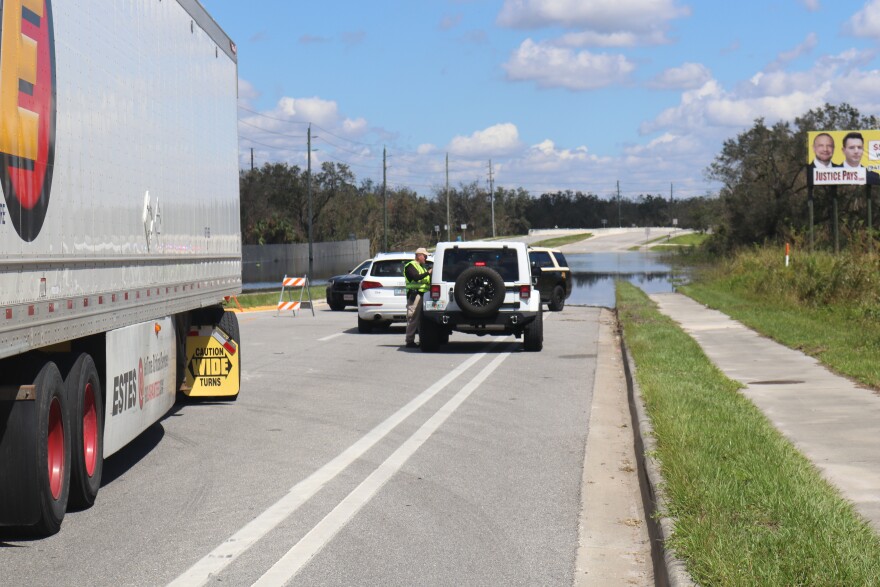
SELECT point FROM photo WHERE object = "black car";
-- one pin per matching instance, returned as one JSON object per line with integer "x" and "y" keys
{"x": 342, "y": 289}
{"x": 554, "y": 276}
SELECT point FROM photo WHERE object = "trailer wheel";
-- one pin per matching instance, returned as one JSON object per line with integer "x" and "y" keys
{"x": 53, "y": 449}
{"x": 83, "y": 390}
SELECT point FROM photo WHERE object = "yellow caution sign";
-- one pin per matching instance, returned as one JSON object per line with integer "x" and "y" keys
{"x": 212, "y": 366}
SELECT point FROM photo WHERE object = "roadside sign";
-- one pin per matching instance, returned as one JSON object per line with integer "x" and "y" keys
{"x": 211, "y": 363}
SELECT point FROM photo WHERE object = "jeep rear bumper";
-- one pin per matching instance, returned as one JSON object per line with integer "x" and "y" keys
{"x": 502, "y": 322}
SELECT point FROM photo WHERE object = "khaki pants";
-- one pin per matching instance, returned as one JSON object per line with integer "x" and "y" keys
{"x": 413, "y": 316}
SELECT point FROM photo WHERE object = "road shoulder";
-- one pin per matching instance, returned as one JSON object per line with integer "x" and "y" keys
{"x": 614, "y": 546}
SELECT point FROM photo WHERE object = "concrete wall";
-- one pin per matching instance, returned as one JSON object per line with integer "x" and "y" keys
{"x": 267, "y": 264}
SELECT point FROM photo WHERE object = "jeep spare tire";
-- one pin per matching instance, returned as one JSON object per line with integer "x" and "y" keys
{"x": 479, "y": 291}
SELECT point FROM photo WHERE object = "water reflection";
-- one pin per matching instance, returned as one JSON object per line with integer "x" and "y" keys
{"x": 594, "y": 275}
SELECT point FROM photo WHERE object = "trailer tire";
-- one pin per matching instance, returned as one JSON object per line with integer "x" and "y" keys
{"x": 85, "y": 401}
{"x": 53, "y": 449}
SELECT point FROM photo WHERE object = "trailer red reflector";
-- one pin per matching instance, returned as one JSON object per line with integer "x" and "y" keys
{"x": 85, "y": 302}
{"x": 230, "y": 348}
{"x": 31, "y": 310}
{"x": 51, "y": 308}
{"x": 9, "y": 313}
{"x": 70, "y": 304}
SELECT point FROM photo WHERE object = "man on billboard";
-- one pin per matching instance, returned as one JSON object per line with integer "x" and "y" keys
{"x": 853, "y": 150}
{"x": 823, "y": 149}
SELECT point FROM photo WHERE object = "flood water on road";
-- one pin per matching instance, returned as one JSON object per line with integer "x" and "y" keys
{"x": 595, "y": 274}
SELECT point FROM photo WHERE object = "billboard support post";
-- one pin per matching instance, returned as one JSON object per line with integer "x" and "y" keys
{"x": 870, "y": 219}
{"x": 836, "y": 225}
{"x": 810, "y": 207}
{"x": 809, "y": 173}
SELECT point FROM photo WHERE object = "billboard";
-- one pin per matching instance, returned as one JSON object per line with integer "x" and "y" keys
{"x": 843, "y": 157}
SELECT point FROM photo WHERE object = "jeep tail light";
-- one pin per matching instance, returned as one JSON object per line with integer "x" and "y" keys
{"x": 435, "y": 292}
{"x": 480, "y": 264}
{"x": 365, "y": 285}
{"x": 525, "y": 292}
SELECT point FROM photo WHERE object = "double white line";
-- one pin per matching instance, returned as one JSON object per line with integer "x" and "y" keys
{"x": 298, "y": 556}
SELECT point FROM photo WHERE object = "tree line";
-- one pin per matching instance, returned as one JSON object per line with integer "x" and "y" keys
{"x": 763, "y": 198}
{"x": 275, "y": 205}
{"x": 765, "y": 194}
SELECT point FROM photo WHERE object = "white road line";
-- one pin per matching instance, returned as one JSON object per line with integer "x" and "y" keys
{"x": 319, "y": 536}
{"x": 222, "y": 556}
{"x": 331, "y": 337}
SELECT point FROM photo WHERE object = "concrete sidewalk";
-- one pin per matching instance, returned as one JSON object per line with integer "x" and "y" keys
{"x": 831, "y": 420}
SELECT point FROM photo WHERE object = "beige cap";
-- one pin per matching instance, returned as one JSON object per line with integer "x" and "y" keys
{"x": 422, "y": 251}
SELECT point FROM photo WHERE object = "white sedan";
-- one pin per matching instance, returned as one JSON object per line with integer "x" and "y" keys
{"x": 381, "y": 296}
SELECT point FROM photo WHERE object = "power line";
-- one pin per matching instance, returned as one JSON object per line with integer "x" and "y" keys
{"x": 271, "y": 131}
{"x": 271, "y": 117}
{"x": 256, "y": 142}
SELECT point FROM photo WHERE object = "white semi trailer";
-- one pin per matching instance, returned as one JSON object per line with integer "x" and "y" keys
{"x": 119, "y": 235}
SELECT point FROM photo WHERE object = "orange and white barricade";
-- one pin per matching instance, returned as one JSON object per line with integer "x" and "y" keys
{"x": 289, "y": 283}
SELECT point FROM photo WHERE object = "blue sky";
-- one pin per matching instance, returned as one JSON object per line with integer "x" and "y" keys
{"x": 559, "y": 94}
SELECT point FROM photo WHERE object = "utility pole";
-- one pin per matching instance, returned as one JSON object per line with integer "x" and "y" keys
{"x": 671, "y": 202}
{"x": 252, "y": 158}
{"x": 309, "y": 183}
{"x": 448, "y": 224}
{"x": 384, "y": 205}
{"x": 618, "y": 204}
{"x": 492, "y": 196}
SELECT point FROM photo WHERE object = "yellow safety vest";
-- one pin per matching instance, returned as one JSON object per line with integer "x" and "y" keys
{"x": 423, "y": 284}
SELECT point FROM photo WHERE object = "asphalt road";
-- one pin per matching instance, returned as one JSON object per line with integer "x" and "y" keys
{"x": 348, "y": 460}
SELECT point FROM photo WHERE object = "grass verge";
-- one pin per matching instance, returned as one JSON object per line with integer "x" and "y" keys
{"x": 270, "y": 298}
{"x": 823, "y": 305}
{"x": 562, "y": 240}
{"x": 693, "y": 239}
{"x": 749, "y": 509}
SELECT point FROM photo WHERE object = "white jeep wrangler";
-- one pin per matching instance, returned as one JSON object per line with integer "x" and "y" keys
{"x": 481, "y": 288}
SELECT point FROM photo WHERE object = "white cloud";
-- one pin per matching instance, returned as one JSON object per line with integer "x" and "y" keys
{"x": 866, "y": 22}
{"x": 629, "y": 15}
{"x": 685, "y": 77}
{"x": 786, "y": 57}
{"x": 354, "y": 127}
{"x": 246, "y": 91}
{"x": 557, "y": 67}
{"x": 811, "y": 5}
{"x": 773, "y": 95}
{"x": 426, "y": 149}
{"x": 316, "y": 110}
{"x": 499, "y": 139}
{"x": 594, "y": 39}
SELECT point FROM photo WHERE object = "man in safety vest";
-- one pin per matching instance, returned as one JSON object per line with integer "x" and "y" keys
{"x": 418, "y": 280}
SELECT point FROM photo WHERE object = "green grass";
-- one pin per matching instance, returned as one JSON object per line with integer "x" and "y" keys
{"x": 270, "y": 298}
{"x": 693, "y": 239}
{"x": 748, "y": 508}
{"x": 562, "y": 240}
{"x": 824, "y": 305}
